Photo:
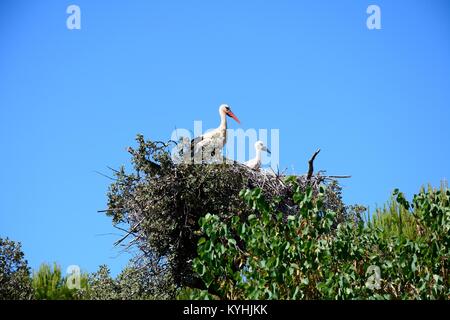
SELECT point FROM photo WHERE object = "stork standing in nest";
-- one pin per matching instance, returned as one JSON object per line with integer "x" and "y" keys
{"x": 214, "y": 140}
{"x": 255, "y": 163}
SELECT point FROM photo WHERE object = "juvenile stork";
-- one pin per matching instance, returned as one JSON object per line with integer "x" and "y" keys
{"x": 255, "y": 163}
{"x": 215, "y": 139}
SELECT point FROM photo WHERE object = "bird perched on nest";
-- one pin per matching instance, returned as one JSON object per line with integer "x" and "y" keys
{"x": 215, "y": 139}
{"x": 255, "y": 163}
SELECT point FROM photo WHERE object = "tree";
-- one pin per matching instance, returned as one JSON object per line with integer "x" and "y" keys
{"x": 133, "y": 283}
{"x": 160, "y": 202}
{"x": 101, "y": 286}
{"x": 14, "y": 272}
{"x": 49, "y": 284}
{"x": 301, "y": 256}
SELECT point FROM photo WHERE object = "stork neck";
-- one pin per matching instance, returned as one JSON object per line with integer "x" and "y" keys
{"x": 258, "y": 155}
{"x": 223, "y": 121}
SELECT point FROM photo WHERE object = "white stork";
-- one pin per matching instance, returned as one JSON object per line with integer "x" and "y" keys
{"x": 216, "y": 138}
{"x": 255, "y": 163}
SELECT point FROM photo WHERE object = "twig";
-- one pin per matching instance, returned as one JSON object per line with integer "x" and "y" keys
{"x": 131, "y": 231}
{"x": 112, "y": 169}
{"x": 338, "y": 177}
{"x": 311, "y": 165}
{"x": 110, "y": 210}
{"x": 106, "y": 176}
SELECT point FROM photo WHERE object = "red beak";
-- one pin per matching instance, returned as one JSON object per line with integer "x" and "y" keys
{"x": 231, "y": 114}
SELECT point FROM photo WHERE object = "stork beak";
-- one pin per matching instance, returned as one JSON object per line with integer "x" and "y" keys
{"x": 266, "y": 149}
{"x": 231, "y": 114}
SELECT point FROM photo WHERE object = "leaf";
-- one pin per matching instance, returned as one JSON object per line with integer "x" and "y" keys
{"x": 243, "y": 228}
{"x": 413, "y": 264}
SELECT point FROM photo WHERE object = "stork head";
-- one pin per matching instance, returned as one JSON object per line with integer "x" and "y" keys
{"x": 259, "y": 145}
{"x": 225, "y": 109}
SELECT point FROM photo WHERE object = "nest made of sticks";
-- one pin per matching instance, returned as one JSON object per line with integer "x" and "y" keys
{"x": 160, "y": 202}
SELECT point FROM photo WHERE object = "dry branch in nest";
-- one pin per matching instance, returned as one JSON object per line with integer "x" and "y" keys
{"x": 161, "y": 201}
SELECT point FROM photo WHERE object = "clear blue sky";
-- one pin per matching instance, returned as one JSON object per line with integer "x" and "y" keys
{"x": 377, "y": 102}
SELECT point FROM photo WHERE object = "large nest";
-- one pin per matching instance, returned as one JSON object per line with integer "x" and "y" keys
{"x": 161, "y": 202}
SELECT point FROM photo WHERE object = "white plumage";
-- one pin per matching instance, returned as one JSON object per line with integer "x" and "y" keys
{"x": 215, "y": 139}
{"x": 255, "y": 163}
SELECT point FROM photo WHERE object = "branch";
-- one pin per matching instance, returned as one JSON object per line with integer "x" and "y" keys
{"x": 338, "y": 177}
{"x": 110, "y": 210}
{"x": 128, "y": 232}
{"x": 311, "y": 165}
{"x": 106, "y": 176}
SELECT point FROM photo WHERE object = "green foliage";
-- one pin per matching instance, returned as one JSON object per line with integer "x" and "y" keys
{"x": 394, "y": 220}
{"x": 224, "y": 231}
{"x": 14, "y": 272}
{"x": 49, "y": 284}
{"x": 161, "y": 201}
{"x": 302, "y": 256}
{"x": 101, "y": 286}
{"x": 133, "y": 283}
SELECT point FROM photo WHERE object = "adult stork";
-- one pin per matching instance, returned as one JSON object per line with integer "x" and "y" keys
{"x": 215, "y": 139}
{"x": 255, "y": 163}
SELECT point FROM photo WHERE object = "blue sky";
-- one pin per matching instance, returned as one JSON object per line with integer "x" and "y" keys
{"x": 377, "y": 102}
